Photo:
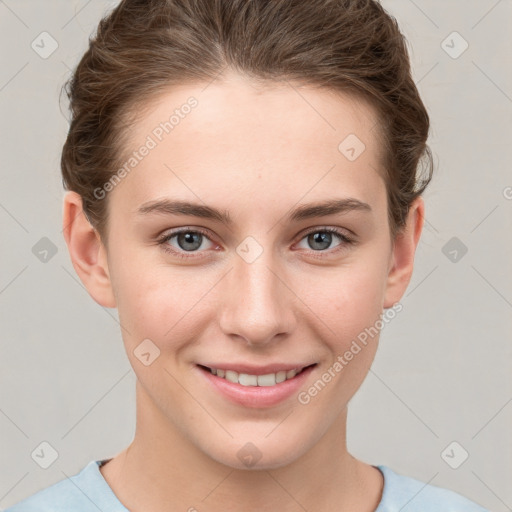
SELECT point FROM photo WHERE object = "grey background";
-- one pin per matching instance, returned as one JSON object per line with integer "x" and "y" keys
{"x": 443, "y": 369}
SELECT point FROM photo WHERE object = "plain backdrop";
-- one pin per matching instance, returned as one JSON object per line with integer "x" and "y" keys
{"x": 440, "y": 389}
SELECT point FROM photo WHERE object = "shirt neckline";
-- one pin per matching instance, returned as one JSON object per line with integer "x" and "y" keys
{"x": 114, "y": 501}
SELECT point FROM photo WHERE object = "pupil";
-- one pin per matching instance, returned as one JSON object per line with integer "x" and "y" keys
{"x": 322, "y": 238}
{"x": 189, "y": 238}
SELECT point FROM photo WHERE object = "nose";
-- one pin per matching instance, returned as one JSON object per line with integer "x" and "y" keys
{"x": 257, "y": 302}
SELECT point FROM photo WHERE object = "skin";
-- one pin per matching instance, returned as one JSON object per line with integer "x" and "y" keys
{"x": 256, "y": 152}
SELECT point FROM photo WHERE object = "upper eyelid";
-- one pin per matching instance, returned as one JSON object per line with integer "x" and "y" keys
{"x": 332, "y": 229}
{"x": 170, "y": 234}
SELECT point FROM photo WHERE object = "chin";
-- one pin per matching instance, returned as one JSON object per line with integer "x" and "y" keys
{"x": 259, "y": 454}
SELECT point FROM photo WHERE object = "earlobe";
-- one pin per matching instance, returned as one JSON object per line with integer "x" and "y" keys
{"x": 88, "y": 255}
{"x": 402, "y": 258}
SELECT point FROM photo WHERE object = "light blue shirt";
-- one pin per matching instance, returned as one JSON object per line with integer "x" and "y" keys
{"x": 88, "y": 491}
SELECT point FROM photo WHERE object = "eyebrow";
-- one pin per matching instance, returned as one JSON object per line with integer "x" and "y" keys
{"x": 304, "y": 211}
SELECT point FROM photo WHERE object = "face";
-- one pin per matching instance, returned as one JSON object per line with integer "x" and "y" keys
{"x": 248, "y": 276}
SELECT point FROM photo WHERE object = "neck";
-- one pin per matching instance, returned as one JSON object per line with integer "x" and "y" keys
{"x": 162, "y": 470}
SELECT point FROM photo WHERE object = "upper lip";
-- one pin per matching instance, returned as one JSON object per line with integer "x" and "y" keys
{"x": 257, "y": 370}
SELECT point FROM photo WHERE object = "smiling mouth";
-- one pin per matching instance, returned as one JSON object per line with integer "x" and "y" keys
{"x": 246, "y": 379}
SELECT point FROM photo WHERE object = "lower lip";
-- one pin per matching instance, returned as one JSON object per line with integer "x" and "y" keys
{"x": 257, "y": 396}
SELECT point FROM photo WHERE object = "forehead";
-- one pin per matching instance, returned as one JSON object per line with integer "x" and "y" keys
{"x": 257, "y": 141}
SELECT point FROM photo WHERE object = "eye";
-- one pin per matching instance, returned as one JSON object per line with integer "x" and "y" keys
{"x": 320, "y": 239}
{"x": 187, "y": 241}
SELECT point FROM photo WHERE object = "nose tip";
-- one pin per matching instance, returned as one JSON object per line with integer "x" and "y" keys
{"x": 256, "y": 305}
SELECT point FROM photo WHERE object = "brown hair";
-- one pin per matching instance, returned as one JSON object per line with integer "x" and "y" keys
{"x": 145, "y": 46}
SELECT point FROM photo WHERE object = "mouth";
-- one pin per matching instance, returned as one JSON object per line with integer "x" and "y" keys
{"x": 256, "y": 387}
{"x": 267, "y": 379}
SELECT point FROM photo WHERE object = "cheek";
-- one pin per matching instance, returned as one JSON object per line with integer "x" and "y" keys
{"x": 346, "y": 299}
{"x": 347, "y": 312}
{"x": 156, "y": 301}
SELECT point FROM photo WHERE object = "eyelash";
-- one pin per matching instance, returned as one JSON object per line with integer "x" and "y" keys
{"x": 346, "y": 241}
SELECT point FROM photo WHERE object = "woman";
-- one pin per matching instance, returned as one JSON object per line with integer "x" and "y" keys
{"x": 243, "y": 187}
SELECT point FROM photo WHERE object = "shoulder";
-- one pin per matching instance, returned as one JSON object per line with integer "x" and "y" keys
{"x": 82, "y": 492}
{"x": 410, "y": 495}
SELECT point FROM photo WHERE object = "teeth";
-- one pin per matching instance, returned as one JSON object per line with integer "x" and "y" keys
{"x": 267, "y": 380}
{"x": 231, "y": 376}
{"x": 280, "y": 377}
{"x": 270, "y": 379}
{"x": 291, "y": 373}
{"x": 247, "y": 380}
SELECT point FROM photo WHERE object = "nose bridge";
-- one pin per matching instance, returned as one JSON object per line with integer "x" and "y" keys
{"x": 257, "y": 304}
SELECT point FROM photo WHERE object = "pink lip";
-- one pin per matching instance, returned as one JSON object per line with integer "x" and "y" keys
{"x": 257, "y": 396}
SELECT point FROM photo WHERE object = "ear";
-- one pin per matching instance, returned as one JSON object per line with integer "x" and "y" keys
{"x": 87, "y": 252}
{"x": 402, "y": 257}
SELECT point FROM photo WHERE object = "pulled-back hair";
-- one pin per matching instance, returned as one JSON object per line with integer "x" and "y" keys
{"x": 144, "y": 47}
